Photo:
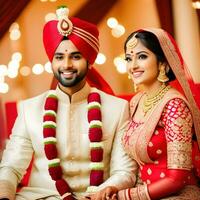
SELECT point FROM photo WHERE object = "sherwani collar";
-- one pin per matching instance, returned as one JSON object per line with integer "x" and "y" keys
{"x": 79, "y": 96}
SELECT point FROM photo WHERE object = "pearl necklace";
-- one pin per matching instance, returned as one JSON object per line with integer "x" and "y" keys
{"x": 96, "y": 146}
{"x": 150, "y": 102}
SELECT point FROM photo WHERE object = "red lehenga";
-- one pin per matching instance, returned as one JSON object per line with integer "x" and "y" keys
{"x": 162, "y": 145}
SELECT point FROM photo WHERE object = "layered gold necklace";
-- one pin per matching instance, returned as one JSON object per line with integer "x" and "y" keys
{"x": 150, "y": 101}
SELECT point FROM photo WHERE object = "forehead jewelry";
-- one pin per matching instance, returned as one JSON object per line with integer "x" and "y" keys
{"x": 132, "y": 43}
{"x": 64, "y": 26}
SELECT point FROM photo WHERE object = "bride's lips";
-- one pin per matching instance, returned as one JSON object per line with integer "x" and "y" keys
{"x": 137, "y": 74}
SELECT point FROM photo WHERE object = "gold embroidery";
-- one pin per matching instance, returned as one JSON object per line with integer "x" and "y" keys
{"x": 182, "y": 128}
{"x": 143, "y": 192}
{"x": 132, "y": 43}
{"x": 137, "y": 193}
{"x": 179, "y": 155}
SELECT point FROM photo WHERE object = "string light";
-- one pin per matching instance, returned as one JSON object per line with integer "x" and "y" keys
{"x": 50, "y": 16}
{"x": 3, "y": 70}
{"x": 17, "y": 56}
{"x": 25, "y": 71}
{"x": 4, "y": 88}
{"x": 47, "y": 67}
{"x": 38, "y": 69}
{"x": 120, "y": 64}
{"x": 101, "y": 59}
{"x": 13, "y": 26}
{"x": 196, "y": 4}
{"x": 112, "y": 22}
{"x": 118, "y": 31}
{"x": 15, "y": 34}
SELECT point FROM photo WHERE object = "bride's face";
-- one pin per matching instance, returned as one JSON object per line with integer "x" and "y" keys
{"x": 142, "y": 64}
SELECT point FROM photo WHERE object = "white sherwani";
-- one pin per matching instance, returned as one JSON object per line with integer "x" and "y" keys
{"x": 72, "y": 144}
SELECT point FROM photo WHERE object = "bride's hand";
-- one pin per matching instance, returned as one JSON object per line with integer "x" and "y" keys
{"x": 107, "y": 193}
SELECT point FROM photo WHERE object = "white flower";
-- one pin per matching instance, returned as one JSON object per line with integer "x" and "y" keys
{"x": 95, "y": 122}
{"x": 96, "y": 144}
{"x": 54, "y": 161}
{"x": 50, "y": 112}
{"x": 94, "y": 104}
{"x": 96, "y": 165}
{"x": 62, "y": 12}
{"x": 50, "y": 139}
{"x": 49, "y": 123}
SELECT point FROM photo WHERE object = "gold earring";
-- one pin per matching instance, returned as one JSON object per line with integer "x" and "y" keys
{"x": 162, "y": 77}
{"x": 129, "y": 76}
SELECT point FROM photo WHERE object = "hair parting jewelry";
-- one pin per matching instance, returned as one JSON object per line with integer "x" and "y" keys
{"x": 132, "y": 43}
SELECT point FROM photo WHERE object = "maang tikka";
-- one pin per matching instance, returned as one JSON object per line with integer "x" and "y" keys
{"x": 132, "y": 43}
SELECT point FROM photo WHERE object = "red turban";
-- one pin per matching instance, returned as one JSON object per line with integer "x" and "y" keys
{"x": 84, "y": 36}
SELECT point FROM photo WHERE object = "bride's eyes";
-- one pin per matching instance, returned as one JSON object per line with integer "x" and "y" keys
{"x": 128, "y": 59}
{"x": 142, "y": 56}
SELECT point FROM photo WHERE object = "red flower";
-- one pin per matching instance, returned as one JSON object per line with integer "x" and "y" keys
{"x": 49, "y": 132}
{"x": 51, "y": 104}
{"x": 94, "y": 96}
{"x": 94, "y": 114}
{"x": 55, "y": 172}
{"x": 95, "y": 134}
{"x": 49, "y": 118}
{"x": 63, "y": 188}
{"x": 96, "y": 177}
{"x": 50, "y": 151}
{"x": 96, "y": 154}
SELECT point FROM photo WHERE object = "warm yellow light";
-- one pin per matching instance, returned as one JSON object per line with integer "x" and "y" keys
{"x": 13, "y": 26}
{"x": 15, "y": 34}
{"x": 112, "y": 22}
{"x": 4, "y": 88}
{"x": 47, "y": 67}
{"x": 196, "y": 4}
{"x": 13, "y": 64}
{"x": 25, "y": 71}
{"x": 17, "y": 56}
{"x": 12, "y": 73}
{"x": 38, "y": 69}
{"x": 120, "y": 64}
{"x": 3, "y": 70}
{"x": 2, "y": 79}
{"x": 101, "y": 59}
{"x": 118, "y": 31}
{"x": 50, "y": 16}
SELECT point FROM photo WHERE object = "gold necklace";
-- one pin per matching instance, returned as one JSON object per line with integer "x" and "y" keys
{"x": 150, "y": 101}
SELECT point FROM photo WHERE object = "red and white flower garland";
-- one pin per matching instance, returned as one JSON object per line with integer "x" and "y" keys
{"x": 95, "y": 137}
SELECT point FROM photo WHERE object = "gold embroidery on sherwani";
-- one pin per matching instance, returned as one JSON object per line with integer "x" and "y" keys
{"x": 179, "y": 155}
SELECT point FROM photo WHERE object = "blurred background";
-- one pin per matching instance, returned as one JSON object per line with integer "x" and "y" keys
{"x": 24, "y": 67}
